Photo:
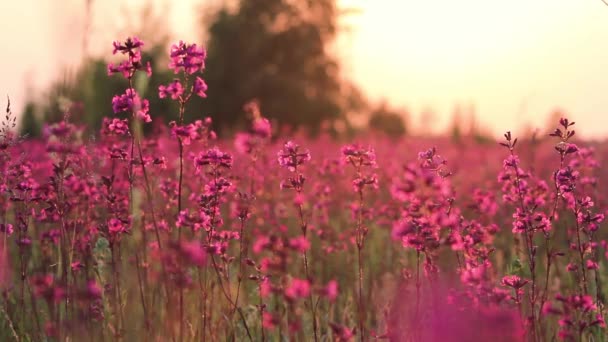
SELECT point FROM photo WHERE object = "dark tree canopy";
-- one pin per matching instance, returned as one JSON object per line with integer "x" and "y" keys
{"x": 275, "y": 51}
{"x": 388, "y": 120}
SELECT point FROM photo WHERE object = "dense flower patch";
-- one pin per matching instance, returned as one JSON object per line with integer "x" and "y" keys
{"x": 181, "y": 236}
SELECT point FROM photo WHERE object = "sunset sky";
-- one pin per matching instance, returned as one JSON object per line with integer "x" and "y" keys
{"x": 515, "y": 61}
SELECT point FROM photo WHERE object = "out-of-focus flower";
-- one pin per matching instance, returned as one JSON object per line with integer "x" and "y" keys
{"x": 215, "y": 158}
{"x": 297, "y": 288}
{"x": 291, "y": 156}
{"x": 514, "y": 281}
{"x": 200, "y": 87}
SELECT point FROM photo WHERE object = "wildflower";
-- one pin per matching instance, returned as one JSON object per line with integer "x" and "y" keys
{"x": 262, "y": 128}
{"x": 132, "y": 48}
{"x": 300, "y": 244}
{"x": 173, "y": 89}
{"x": 244, "y": 143}
{"x": 76, "y": 266}
{"x": 360, "y": 182}
{"x": 200, "y": 87}
{"x": 187, "y": 57}
{"x": 591, "y": 265}
{"x": 359, "y": 156}
{"x": 131, "y": 102}
{"x": 265, "y": 288}
{"x": 186, "y": 133}
{"x": 566, "y": 179}
{"x": 261, "y": 243}
{"x": 116, "y": 227}
{"x": 116, "y": 126}
{"x": 298, "y": 288}
{"x": 93, "y": 290}
{"x": 44, "y": 286}
{"x": 514, "y": 281}
{"x": 270, "y": 321}
{"x": 330, "y": 291}
{"x": 215, "y": 158}
{"x": 6, "y": 228}
{"x": 291, "y": 157}
{"x": 193, "y": 253}
{"x": 566, "y": 148}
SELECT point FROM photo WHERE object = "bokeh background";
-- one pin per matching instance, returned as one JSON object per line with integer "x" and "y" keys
{"x": 458, "y": 67}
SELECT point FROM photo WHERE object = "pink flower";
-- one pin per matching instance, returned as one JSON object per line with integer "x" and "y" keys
{"x": 173, "y": 89}
{"x": 270, "y": 321}
{"x": 193, "y": 252}
{"x": 330, "y": 290}
{"x": 300, "y": 244}
{"x": 6, "y": 228}
{"x": 262, "y": 128}
{"x": 200, "y": 87}
{"x": 132, "y": 48}
{"x": 93, "y": 290}
{"x": 215, "y": 158}
{"x": 131, "y": 102}
{"x": 116, "y": 126}
{"x": 514, "y": 281}
{"x": 186, "y": 133}
{"x": 359, "y": 156}
{"x": 298, "y": 288}
{"x": 265, "y": 288}
{"x": 591, "y": 265}
{"x": 116, "y": 226}
{"x": 261, "y": 243}
{"x": 291, "y": 157}
{"x": 187, "y": 57}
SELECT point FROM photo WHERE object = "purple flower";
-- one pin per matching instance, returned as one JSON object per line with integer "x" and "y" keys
{"x": 130, "y": 47}
{"x": 116, "y": 126}
{"x": 188, "y": 57}
{"x": 291, "y": 157}
{"x": 131, "y": 102}
{"x": 116, "y": 227}
{"x": 514, "y": 281}
{"x": 262, "y": 128}
{"x": 297, "y": 288}
{"x": 173, "y": 89}
{"x": 200, "y": 87}
{"x": 6, "y": 228}
{"x": 215, "y": 158}
{"x": 359, "y": 156}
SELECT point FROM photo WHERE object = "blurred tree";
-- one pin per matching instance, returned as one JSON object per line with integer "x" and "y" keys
{"x": 387, "y": 120}
{"x": 275, "y": 51}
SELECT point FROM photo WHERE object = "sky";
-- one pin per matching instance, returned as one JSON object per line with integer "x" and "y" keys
{"x": 514, "y": 62}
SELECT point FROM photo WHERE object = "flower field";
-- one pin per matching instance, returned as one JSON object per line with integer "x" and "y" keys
{"x": 179, "y": 235}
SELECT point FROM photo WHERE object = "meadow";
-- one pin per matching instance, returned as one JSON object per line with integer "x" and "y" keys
{"x": 179, "y": 235}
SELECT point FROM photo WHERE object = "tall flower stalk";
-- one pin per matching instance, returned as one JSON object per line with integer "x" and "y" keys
{"x": 186, "y": 59}
{"x": 362, "y": 161}
{"x": 292, "y": 157}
